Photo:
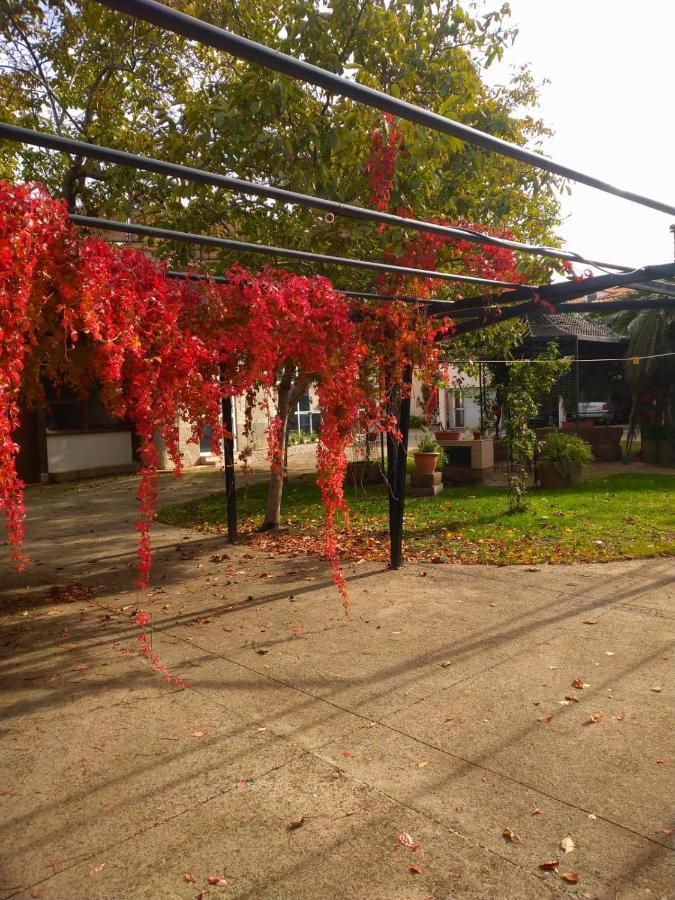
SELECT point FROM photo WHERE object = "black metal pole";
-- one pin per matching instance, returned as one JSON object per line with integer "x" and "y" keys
{"x": 397, "y": 455}
{"x": 576, "y": 379}
{"x": 230, "y": 487}
{"x": 243, "y": 48}
{"x": 200, "y": 176}
{"x": 189, "y": 237}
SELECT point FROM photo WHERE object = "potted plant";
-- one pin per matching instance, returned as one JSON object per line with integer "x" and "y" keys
{"x": 563, "y": 460}
{"x": 658, "y": 444}
{"x": 426, "y": 453}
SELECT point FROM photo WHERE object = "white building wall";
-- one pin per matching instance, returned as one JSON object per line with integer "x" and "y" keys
{"x": 84, "y": 452}
{"x": 469, "y": 390}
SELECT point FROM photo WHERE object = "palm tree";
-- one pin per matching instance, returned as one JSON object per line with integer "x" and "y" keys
{"x": 650, "y": 332}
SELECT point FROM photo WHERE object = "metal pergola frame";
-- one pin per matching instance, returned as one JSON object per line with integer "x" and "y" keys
{"x": 471, "y": 314}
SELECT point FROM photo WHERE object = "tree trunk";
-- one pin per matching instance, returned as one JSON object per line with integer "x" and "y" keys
{"x": 288, "y": 394}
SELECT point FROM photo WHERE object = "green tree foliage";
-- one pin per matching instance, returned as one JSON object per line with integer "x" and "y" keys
{"x": 650, "y": 332}
{"x": 527, "y": 382}
{"x": 80, "y": 70}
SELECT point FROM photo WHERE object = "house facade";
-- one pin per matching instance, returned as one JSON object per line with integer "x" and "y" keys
{"x": 73, "y": 438}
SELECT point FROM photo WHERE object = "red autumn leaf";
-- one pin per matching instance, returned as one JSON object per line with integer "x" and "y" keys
{"x": 404, "y": 840}
{"x": 667, "y": 831}
{"x": 591, "y": 621}
{"x": 415, "y": 870}
{"x": 570, "y": 877}
{"x": 511, "y": 836}
{"x": 537, "y": 812}
{"x": 544, "y": 718}
{"x": 593, "y": 718}
{"x": 346, "y": 754}
{"x": 189, "y": 877}
{"x": 550, "y": 866}
{"x": 214, "y": 879}
{"x": 578, "y": 683}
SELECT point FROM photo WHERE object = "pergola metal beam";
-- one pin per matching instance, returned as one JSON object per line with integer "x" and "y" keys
{"x": 599, "y": 307}
{"x": 71, "y": 146}
{"x": 245, "y": 247}
{"x": 205, "y": 33}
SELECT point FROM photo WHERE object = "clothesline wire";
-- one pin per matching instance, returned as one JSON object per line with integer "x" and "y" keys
{"x": 633, "y": 359}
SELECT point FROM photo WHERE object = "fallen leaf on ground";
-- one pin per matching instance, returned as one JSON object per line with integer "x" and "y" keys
{"x": 621, "y": 716}
{"x": 422, "y": 764}
{"x": 346, "y": 754}
{"x": 510, "y": 835}
{"x": 537, "y": 812}
{"x": 544, "y": 718}
{"x": 189, "y": 877}
{"x": 296, "y": 823}
{"x": 214, "y": 879}
{"x": 260, "y": 730}
{"x": 591, "y": 621}
{"x": 578, "y": 683}
{"x": 261, "y": 651}
{"x": 656, "y": 690}
{"x": 593, "y": 718}
{"x": 667, "y": 831}
{"x": 97, "y": 869}
{"x": 404, "y": 840}
{"x": 550, "y": 866}
{"x": 592, "y": 817}
{"x": 444, "y": 665}
{"x": 660, "y": 760}
{"x": 198, "y": 733}
{"x": 567, "y": 844}
{"x": 571, "y": 698}
{"x": 570, "y": 877}
{"x": 415, "y": 870}
{"x": 450, "y": 719}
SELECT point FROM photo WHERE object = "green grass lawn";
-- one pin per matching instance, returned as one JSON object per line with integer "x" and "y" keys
{"x": 618, "y": 517}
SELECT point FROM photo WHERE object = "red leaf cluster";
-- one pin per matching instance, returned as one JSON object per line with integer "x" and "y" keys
{"x": 81, "y": 312}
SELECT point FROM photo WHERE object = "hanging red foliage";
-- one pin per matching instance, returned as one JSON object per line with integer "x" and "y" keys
{"x": 84, "y": 313}
{"x": 385, "y": 143}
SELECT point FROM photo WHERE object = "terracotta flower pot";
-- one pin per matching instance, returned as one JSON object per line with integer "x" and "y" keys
{"x": 425, "y": 463}
{"x": 447, "y": 435}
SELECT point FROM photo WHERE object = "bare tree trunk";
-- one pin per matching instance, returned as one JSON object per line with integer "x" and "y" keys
{"x": 288, "y": 394}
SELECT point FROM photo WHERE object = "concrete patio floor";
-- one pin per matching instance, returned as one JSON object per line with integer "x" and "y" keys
{"x": 439, "y": 711}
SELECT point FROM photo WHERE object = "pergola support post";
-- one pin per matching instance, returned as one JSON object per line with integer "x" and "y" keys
{"x": 397, "y": 455}
{"x": 228, "y": 454}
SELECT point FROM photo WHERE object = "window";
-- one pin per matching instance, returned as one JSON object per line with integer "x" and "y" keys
{"x": 307, "y": 419}
{"x": 454, "y": 406}
{"x": 69, "y": 411}
{"x": 459, "y": 410}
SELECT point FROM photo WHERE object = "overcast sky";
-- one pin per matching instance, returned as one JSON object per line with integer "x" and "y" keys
{"x": 611, "y": 103}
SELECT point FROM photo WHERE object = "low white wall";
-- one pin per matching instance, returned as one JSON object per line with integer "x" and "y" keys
{"x": 72, "y": 452}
